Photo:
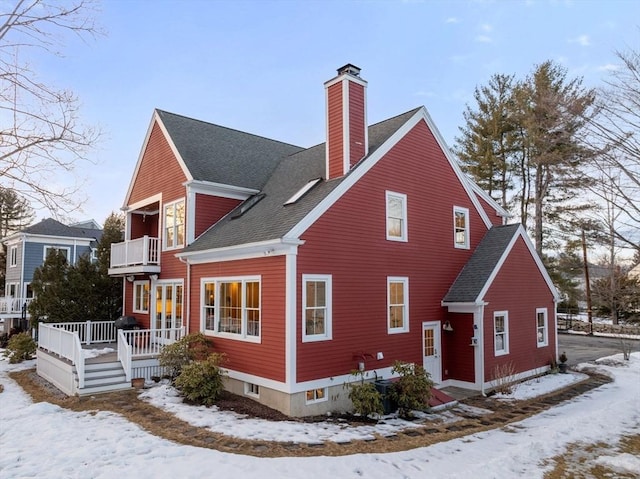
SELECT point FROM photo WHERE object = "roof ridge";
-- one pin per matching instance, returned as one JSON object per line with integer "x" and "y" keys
{"x": 227, "y": 128}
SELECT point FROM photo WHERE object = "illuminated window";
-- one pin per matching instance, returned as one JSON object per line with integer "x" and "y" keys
{"x": 316, "y": 395}
{"x": 316, "y": 301}
{"x": 141, "y": 296}
{"x": 174, "y": 225}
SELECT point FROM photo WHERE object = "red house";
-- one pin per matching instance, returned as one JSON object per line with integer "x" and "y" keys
{"x": 305, "y": 264}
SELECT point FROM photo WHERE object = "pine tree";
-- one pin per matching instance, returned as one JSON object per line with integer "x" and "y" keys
{"x": 50, "y": 288}
{"x": 15, "y": 215}
{"x": 111, "y": 288}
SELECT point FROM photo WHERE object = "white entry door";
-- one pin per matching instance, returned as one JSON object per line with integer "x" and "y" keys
{"x": 431, "y": 357}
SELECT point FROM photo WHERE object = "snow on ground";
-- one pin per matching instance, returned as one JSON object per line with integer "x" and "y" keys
{"x": 45, "y": 441}
{"x": 227, "y": 422}
{"x": 94, "y": 353}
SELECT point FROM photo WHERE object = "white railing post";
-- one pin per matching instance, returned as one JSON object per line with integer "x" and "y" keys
{"x": 124, "y": 354}
{"x": 145, "y": 250}
{"x": 89, "y": 334}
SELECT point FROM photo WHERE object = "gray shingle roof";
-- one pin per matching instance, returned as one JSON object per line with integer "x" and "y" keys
{"x": 475, "y": 274}
{"x": 223, "y": 155}
{"x": 51, "y": 227}
{"x": 270, "y": 219}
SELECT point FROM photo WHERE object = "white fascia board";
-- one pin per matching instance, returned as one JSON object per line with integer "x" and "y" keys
{"x": 371, "y": 161}
{"x": 157, "y": 198}
{"x": 500, "y": 211}
{"x": 65, "y": 240}
{"x": 246, "y": 251}
{"x": 219, "y": 189}
{"x": 14, "y": 239}
{"x": 346, "y": 76}
{"x": 155, "y": 118}
{"x": 470, "y": 307}
{"x": 520, "y": 233}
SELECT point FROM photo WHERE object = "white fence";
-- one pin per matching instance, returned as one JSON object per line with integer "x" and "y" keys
{"x": 142, "y": 251}
{"x": 143, "y": 343}
{"x": 65, "y": 344}
{"x": 90, "y": 331}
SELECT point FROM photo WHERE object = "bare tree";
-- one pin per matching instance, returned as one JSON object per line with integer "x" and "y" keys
{"x": 616, "y": 132}
{"x": 41, "y": 135}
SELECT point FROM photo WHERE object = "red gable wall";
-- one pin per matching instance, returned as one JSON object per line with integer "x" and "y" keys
{"x": 519, "y": 288}
{"x": 209, "y": 210}
{"x": 159, "y": 171}
{"x": 349, "y": 242}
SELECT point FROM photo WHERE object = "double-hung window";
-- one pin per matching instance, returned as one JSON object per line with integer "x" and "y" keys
{"x": 231, "y": 307}
{"x": 461, "y": 227}
{"x": 13, "y": 257}
{"x": 396, "y": 216}
{"x": 141, "y": 297}
{"x": 541, "y": 327}
{"x": 174, "y": 225}
{"x": 501, "y": 332}
{"x": 397, "y": 305}
{"x": 316, "y": 304}
{"x": 64, "y": 251}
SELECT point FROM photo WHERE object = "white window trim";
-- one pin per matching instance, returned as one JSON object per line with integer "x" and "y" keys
{"x": 13, "y": 256}
{"x": 405, "y": 318}
{"x": 545, "y": 341}
{"x": 465, "y": 211}
{"x": 48, "y": 247}
{"x": 215, "y": 333}
{"x": 135, "y": 296}
{"x": 404, "y": 233}
{"x": 173, "y": 204}
{"x": 505, "y": 351}
{"x": 328, "y": 333}
{"x": 316, "y": 401}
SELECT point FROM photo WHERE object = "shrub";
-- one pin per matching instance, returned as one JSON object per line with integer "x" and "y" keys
{"x": 176, "y": 356}
{"x": 20, "y": 347}
{"x": 504, "y": 377}
{"x": 365, "y": 397}
{"x": 413, "y": 389}
{"x": 202, "y": 381}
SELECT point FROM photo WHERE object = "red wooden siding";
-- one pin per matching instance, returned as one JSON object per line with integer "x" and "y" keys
{"x": 209, "y": 209}
{"x": 159, "y": 171}
{"x": 519, "y": 288}
{"x": 335, "y": 133}
{"x": 457, "y": 353}
{"x": 495, "y": 219}
{"x": 349, "y": 242}
{"x": 144, "y": 225}
{"x": 356, "y": 123}
{"x": 267, "y": 358}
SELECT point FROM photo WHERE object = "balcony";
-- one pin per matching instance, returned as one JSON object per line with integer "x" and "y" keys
{"x": 138, "y": 256}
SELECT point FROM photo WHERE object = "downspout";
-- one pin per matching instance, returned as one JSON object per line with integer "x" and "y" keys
{"x": 481, "y": 347}
{"x": 188, "y": 295}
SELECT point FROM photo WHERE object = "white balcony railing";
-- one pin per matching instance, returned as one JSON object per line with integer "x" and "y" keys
{"x": 138, "y": 252}
{"x": 9, "y": 305}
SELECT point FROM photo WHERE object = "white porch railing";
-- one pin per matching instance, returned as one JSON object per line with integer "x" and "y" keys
{"x": 65, "y": 344}
{"x": 140, "y": 343}
{"x": 9, "y": 305}
{"x": 90, "y": 331}
{"x": 142, "y": 251}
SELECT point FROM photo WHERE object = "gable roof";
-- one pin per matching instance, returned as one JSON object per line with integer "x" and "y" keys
{"x": 477, "y": 275}
{"x": 51, "y": 227}
{"x": 270, "y": 219}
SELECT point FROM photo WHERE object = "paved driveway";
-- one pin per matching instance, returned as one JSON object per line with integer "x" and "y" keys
{"x": 582, "y": 348}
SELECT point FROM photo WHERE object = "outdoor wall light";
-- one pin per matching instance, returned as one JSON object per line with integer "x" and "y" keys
{"x": 447, "y": 326}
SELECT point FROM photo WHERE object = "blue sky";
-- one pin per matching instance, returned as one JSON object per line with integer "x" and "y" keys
{"x": 259, "y": 66}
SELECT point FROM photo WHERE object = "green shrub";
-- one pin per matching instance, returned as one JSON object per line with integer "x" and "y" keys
{"x": 202, "y": 381}
{"x": 176, "y": 356}
{"x": 413, "y": 389}
{"x": 366, "y": 399}
{"x": 20, "y": 347}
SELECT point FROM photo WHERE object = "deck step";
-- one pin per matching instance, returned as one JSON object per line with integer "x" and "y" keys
{"x": 104, "y": 388}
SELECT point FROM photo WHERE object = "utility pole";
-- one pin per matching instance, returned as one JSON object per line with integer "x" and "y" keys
{"x": 587, "y": 282}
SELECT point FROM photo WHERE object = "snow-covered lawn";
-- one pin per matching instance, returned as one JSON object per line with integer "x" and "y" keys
{"x": 45, "y": 441}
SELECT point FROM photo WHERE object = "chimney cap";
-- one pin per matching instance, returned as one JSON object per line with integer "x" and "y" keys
{"x": 349, "y": 69}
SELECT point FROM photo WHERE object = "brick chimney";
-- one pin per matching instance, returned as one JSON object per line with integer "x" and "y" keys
{"x": 347, "y": 137}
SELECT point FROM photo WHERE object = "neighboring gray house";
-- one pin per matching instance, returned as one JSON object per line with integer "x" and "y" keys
{"x": 27, "y": 250}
